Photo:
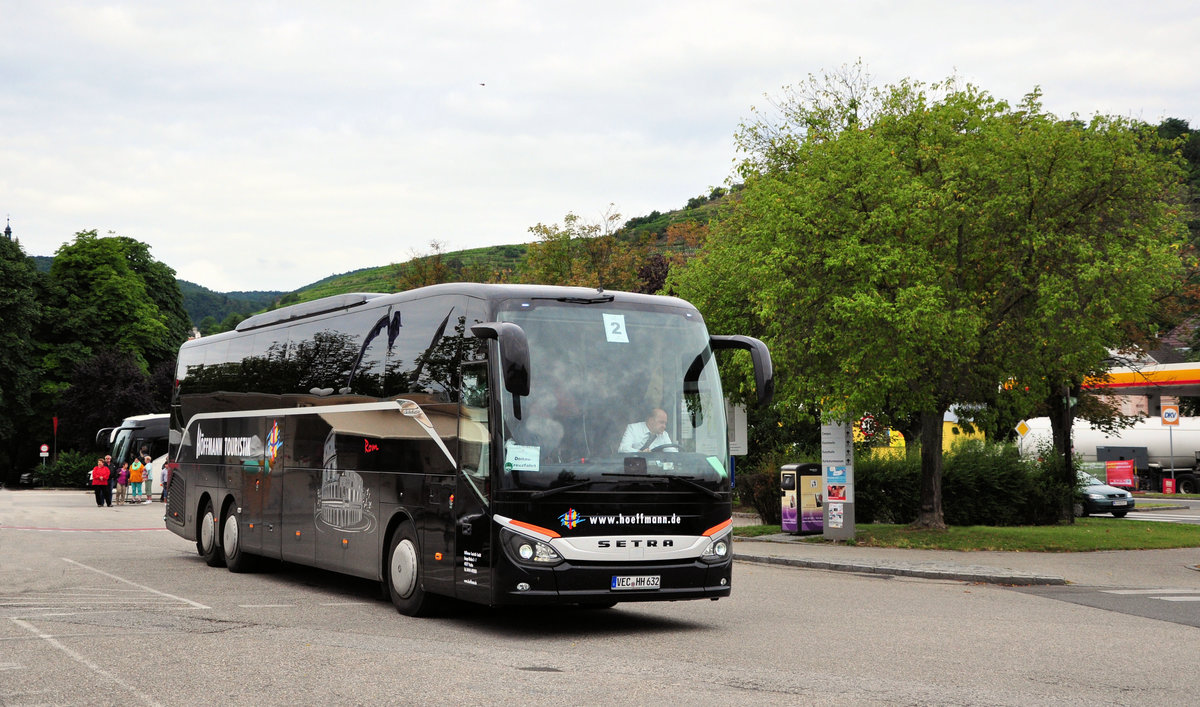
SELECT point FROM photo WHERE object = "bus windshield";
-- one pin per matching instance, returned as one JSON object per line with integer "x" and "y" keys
{"x": 598, "y": 375}
{"x": 122, "y": 444}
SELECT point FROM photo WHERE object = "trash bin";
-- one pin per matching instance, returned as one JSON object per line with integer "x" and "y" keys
{"x": 789, "y": 509}
{"x": 800, "y": 494}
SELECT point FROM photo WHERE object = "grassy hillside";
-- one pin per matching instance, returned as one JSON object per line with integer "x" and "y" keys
{"x": 502, "y": 258}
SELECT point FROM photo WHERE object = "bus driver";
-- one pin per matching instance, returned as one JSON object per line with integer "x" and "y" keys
{"x": 646, "y": 436}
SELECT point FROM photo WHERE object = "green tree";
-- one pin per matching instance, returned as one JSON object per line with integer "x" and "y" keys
{"x": 909, "y": 248}
{"x": 231, "y": 320}
{"x": 162, "y": 288}
{"x": 423, "y": 269}
{"x": 102, "y": 294}
{"x": 107, "y": 291}
{"x": 584, "y": 254}
{"x": 209, "y": 326}
{"x": 105, "y": 389}
{"x": 19, "y": 314}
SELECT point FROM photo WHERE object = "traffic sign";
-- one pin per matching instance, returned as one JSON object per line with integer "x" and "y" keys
{"x": 45, "y": 448}
{"x": 867, "y": 426}
{"x": 1170, "y": 414}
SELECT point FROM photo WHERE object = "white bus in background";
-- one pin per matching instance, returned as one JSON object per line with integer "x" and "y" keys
{"x": 151, "y": 432}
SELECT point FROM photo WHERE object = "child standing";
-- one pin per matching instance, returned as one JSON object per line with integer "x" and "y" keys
{"x": 135, "y": 479}
{"x": 122, "y": 482}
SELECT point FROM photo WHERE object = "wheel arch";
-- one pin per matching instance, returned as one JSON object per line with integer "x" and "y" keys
{"x": 394, "y": 522}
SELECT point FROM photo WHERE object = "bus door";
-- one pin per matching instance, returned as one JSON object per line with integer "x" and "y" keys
{"x": 437, "y": 446}
{"x": 472, "y": 575}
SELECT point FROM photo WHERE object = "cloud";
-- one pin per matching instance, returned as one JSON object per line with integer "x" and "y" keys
{"x": 266, "y": 146}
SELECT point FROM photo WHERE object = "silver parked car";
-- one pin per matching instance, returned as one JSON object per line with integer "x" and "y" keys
{"x": 1095, "y": 496}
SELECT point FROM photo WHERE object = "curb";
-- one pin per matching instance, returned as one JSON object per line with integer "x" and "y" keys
{"x": 961, "y": 573}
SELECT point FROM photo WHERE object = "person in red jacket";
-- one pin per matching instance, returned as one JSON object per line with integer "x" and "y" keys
{"x": 100, "y": 484}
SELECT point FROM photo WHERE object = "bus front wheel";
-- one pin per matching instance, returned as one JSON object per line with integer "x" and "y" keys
{"x": 404, "y": 572}
{"x": 206, "y": 537}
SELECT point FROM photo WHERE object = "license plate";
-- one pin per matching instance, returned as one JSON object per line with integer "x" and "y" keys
{"x": 643, "y": 582}
{"x": 1120, "y": 503}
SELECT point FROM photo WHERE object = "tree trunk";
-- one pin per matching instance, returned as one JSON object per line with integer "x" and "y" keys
{"x": 930, "y": 515}
{"x": 910, "y": 430}
{"x": 1062, "y": 419}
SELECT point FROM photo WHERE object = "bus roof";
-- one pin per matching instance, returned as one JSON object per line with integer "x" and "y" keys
{"x": 487, "y": 291}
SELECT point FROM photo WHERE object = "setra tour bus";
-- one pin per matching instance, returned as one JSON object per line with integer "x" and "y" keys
{"x": 462, "y": 440}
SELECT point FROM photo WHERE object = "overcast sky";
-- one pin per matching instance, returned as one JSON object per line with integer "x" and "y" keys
{"x": 266, "y": 145}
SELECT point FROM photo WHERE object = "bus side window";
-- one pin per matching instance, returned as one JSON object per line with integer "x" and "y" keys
{"x": 473, "y": 429}
{"x": 425, "y": 344}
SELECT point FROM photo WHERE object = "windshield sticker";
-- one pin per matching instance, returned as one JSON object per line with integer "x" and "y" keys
{"x": 718, "y": 466}
{"x": 614, "y": 328}
{"x": 521, "y": 457}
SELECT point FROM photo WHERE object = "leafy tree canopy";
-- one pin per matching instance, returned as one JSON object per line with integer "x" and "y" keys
{"x": 108, "y": 292}
{"x": 908, "y": 248}
{"x": 19, "y": 314}
{"x": 105, "y": 389}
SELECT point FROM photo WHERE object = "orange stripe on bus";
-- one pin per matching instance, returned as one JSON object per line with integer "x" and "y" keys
{"x": 537, "y": 529}
{"x": 718, "y": 528}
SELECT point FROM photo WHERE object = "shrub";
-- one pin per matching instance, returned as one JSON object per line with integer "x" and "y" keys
{"x": 887, "y": 489}
{"x": 982, "y": 484}
{"x": 758, "y": 488}
{"x": 69, "y": 470}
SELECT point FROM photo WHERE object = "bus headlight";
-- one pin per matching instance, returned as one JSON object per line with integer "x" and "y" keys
{"x": 529, "y": 551}
{"x": 718, "y": 550}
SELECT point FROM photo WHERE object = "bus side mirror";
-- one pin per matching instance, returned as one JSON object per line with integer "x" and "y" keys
{"x": 764, "y": 373}
{"x": 514, "y": 353}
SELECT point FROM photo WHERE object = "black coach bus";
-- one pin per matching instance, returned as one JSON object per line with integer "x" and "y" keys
{"x": 461, "y": 440}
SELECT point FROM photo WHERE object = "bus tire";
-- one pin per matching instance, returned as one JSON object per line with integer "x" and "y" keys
{"x": 236, "y": 558}
{"x": 206, "y": 537}
{"x": 403, "y": 573}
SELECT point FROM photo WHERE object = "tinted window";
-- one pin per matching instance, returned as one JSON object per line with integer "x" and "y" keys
{"x": 370, "y": 330}
{"x": 426, "y": 347}
{"x": 320, "y": 356}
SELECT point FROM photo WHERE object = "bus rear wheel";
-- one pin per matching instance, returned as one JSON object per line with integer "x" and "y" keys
{"x": 403, "y": 573}
{"x": 236, "y": 558}
{"x": 206, "y": 537}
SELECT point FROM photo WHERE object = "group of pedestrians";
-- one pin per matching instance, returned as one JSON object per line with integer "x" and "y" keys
{"x": 132, "y": 482}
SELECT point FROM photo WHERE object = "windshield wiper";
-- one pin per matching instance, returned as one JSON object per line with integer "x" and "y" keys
{"x": 559, "y": 489}
{"x": 685, "y": 480}
{"x": 599, "y": 299}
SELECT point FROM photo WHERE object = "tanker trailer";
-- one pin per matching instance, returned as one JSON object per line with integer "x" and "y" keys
{"x": 1148, "y": 442}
